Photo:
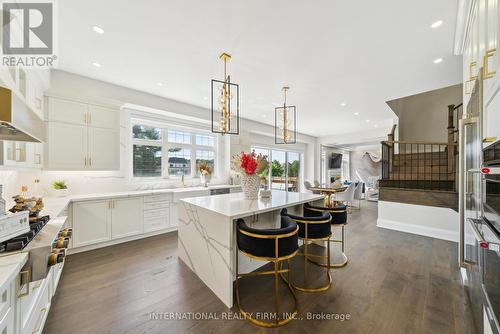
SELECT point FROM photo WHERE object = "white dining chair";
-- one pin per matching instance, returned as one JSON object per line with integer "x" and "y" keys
{"x": 347, "y": 196}
{"x": 358, "y": 193}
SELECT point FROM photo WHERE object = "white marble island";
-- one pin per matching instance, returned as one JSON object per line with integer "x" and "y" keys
{"x": 207, "y": 233}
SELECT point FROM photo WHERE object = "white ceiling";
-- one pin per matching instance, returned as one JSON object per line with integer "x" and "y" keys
{"x": 362, "y": 53}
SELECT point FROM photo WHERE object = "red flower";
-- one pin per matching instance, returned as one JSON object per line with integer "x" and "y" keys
{"x": 248, "y": 163}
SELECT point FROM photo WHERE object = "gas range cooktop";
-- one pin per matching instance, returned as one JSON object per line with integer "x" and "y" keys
{"x": 21, "y": 241}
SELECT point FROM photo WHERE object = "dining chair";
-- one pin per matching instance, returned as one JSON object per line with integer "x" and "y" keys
{"x": 346, "y": 196}
{"x": 358, "y": 193}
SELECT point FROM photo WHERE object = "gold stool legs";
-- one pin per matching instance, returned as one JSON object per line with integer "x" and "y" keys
{"x": 307, "y": 256}
{"x": 345, "y": 260}
{"x": 276, "y": 272}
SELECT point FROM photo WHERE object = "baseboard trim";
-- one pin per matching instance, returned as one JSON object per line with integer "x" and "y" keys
{"x": 119, "y": 241}
{"x": 416, "y": 229}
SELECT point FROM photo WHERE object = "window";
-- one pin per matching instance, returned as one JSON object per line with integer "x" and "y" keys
{"x": 185, "y": 150}
{"x": 284, "y": 167}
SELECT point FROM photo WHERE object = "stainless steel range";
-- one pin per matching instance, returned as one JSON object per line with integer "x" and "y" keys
{"x": 43, "y": 237}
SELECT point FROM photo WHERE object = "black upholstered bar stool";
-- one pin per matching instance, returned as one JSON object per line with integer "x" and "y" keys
{"x": 312, "y": 228}
{"x": 274, "y": 245}
{"x": 339, "y": 218}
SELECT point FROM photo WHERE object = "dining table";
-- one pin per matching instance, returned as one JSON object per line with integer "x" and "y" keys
{"x": 329, "y": 192}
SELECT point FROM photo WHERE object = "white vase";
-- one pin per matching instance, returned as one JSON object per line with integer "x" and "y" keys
{"x": 250, "y": 185}
{"x": 61, "y": 192}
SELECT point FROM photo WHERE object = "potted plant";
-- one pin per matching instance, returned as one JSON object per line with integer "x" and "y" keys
{"x": 250, "y": 165}
{"x": 60, "y": 188}
{"x": 205, "y": 173}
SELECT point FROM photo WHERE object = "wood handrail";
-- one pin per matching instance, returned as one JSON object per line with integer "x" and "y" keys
{"x": 417, "y": 142}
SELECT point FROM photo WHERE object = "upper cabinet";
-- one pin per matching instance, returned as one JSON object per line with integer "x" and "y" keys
{"x": 28, "y": 84}
{"x": 82, "y": 136}
{"x": 481, "y": 31}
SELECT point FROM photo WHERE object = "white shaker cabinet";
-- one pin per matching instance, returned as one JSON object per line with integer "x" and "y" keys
{"x": 91, "y": 222}
{"x": 82, "y": 136}
{"x": 103, "y": 148}
{"x": 126, "y": 217}
{"x": 67, "y": 146}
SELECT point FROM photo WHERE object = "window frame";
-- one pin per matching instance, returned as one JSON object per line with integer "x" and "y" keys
{"x": 166, "y": 145}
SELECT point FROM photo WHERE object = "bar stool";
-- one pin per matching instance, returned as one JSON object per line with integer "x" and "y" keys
{"x": 311, "y": 229}
{"x": 274, "y": 245}
{"x": 339, "y": 217}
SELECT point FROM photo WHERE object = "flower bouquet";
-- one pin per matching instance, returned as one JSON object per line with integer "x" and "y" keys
{"x": 250, "y": 165}
{"x": 205, "y": 173}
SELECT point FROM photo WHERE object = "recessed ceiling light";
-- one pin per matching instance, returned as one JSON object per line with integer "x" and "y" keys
{"x": 376, "y": 125}
{"x": 159, "y": 84}
{"x": 437, "y": 61}
{"x": 98, "y": 30}
{"x": 436, "y": 24}
{"x": 356, "y": 113}
{"x": 367, "y": 121}
{"x": 343, "y": 104}
{"x": 96, "y": 64}
{"x": 205, "y": 98}
{"x": 264, "y": 115}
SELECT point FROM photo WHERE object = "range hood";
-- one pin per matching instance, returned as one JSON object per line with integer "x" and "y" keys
{"x": 17, "y": 121}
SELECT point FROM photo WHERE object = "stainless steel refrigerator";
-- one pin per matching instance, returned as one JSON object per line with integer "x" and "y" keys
{"x": 479, "y": 241}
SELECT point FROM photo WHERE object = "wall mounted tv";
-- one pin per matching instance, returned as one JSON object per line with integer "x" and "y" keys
{"x": 336, "y": 160}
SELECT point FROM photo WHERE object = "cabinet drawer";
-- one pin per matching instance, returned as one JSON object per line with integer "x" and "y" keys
{"x": 40, "y": 311}
{"x": 158, "y": 223}
{"x": 7, "y": 322}
{"x": 5, "y": 301}
{"x": 157, "y": 198}
{"x": 156, "y": 213}
{"x": 156, "y": 205}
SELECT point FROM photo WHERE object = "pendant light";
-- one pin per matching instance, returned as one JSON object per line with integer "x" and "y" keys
{"x": 225, "y": 103}
{"x": 285, "y": 125}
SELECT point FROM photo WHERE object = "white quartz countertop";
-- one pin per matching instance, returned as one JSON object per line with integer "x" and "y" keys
{"x": 10, "y": 266}
{"x": 236, "y": 206}
{"x": 53, "y": 206}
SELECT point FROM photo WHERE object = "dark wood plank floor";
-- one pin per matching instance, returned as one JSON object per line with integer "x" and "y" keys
{"x": 394, "y": 283}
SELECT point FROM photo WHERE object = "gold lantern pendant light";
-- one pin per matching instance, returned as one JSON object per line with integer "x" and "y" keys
{"x": 225, "y": 103}
{"x": 285, "y": 125}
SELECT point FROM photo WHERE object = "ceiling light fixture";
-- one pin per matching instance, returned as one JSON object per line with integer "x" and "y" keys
{"x": 98, "y": 30}
{"x": 285, "y": 122}
{"x": 437, "y": 61}
{"x": 367, "y": 121}
{"x": 96, "y": 64}
{"x": 436, "y": 24}
{"x": 159, "y": 84}
{"x": 343, "y": 104}
{"x": 227, "y": 96}
{"x": 356, "y": 113}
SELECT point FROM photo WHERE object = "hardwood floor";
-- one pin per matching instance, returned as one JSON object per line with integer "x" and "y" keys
{"x": 394, "y": 283}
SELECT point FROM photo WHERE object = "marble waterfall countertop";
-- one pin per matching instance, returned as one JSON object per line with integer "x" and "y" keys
{"x": 10, "y": 266}
{"x": 236, "y": 206}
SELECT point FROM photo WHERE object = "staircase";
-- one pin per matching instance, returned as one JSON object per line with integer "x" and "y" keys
{"x": 422, "y": 173}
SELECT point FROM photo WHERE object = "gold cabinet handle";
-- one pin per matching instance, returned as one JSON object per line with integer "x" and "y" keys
{"x": 42, "y": 315}
{"x": 472, "y": 65}
{"x": 486, "y": 72}
{"x": 26, "y": 274}
{"x": 90, "y": 161}
{"x": 90, "y": 118}
{"x": 85, "y": 161}
{"x": 489, "y": 139}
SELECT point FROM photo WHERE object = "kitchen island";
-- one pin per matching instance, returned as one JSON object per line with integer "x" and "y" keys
{"x": 207, "y": 233}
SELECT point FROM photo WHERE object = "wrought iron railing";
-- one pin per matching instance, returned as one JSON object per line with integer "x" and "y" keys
{"x": 418, "y": 165}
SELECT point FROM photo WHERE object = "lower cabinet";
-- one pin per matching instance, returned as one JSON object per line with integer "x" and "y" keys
{"x": 106, "y": 220}
{"x": 91, "y": 222}
{"x": 126, "y": 217}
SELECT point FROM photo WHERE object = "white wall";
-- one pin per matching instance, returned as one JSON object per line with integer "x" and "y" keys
{"x": 72, "y": 86}
{"x": 430, "y": 221}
